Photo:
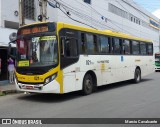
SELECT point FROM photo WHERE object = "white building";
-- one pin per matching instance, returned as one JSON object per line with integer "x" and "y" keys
{"x": 118, "y": 15}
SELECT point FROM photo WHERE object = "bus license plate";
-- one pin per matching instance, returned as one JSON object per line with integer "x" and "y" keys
{"x": 29, "y": 87}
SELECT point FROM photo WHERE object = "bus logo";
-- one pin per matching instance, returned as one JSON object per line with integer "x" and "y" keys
{"x": 36, "y": 77}
{"x": 89, "y": 62}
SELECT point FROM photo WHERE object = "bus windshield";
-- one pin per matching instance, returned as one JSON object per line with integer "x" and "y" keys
{"x": 157, "y": 57}
{"x": 37, "y": 51}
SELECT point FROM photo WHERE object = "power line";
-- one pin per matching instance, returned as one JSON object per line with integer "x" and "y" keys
{"x": 81, "y": 15}
{"x": 88, "y": 18}
{"x": 75, "y": 19}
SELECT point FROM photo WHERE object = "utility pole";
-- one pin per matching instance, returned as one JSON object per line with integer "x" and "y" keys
{"x": 21, "y": 13}
{"x": 43, "y": 9}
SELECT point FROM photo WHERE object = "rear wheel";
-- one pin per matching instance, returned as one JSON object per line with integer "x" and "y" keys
{"x": 137, "y": 76}
{"x": 87, "y": 84}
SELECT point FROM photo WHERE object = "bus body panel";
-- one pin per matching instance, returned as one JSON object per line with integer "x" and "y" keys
{"x": 108, "y": 69}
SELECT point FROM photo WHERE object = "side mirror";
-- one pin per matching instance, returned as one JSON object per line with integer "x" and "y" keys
{"x": 13, "y": 37}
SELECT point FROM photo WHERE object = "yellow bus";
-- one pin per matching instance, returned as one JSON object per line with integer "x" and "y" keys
{"x": 61, "y": 58}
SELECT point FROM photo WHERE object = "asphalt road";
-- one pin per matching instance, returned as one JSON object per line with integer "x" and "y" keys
{"x": 119, "y": 100}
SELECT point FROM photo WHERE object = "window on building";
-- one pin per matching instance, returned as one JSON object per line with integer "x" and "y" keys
{"x": 134, "y": 19}
{"x": 29, "y": 9}
{"x": 139, "y": 22}
{"x": 11, "y": 24}
{"x": 87, "y": 1}
{"x": 114, "y": 9}
{"x": 135, "y": 48}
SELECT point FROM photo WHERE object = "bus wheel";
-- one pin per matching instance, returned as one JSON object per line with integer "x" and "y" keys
{"x": 137, "y": 76}
{"x": 87, "y": 85}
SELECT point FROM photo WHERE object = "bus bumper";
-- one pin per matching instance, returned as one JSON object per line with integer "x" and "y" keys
{"x": 52, "y": 87}
{"x": 157, "y": 69}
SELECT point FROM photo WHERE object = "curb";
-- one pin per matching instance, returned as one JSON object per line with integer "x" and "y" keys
{"x": 5, "y": 92}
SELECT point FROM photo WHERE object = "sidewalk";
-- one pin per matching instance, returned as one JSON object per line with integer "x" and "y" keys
{"x": 7, "y": 88}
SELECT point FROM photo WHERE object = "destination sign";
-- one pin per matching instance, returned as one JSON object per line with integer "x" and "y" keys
{"x": 36, "y": 29}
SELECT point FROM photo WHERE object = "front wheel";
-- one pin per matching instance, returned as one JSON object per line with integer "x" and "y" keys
{"x": 137, "y": 76}
{"x": 87, "y": 84}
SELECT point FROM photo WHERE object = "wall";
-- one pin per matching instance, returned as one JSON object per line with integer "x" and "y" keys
{"x": 5, "y": 38}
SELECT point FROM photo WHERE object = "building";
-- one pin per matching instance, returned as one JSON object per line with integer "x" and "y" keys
{"x": 117, "y": 15}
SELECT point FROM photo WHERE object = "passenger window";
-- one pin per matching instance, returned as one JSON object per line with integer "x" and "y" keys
{"x": 95, "y": 44}
{"x": 143, "y": 48}
{"x": 135, "y": 48}
{"x": 104, "y": 44}
{"x": 83, "y": 43}
{"x": 126, "y": 47}
{"x": 117, "y": 46}
{"x": 71, "y": 48}
{"x": 150, "y": 49}
{"x": 91, "y": 44}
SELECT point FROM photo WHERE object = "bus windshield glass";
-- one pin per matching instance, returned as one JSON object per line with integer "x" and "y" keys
{"x": 157, "y": 57}
{"x": 37, "y": 51}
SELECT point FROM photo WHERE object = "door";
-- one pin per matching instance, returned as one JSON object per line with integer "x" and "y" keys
{"x": 4, "y": 64}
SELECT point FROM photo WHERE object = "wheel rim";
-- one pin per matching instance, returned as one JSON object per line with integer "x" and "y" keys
{"x": 138, "y": 77}
{"x": 88, "y": 84}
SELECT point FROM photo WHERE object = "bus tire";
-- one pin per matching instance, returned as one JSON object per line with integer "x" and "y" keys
{"x": 87, "y": 85}
{"x": 137, "y": 76}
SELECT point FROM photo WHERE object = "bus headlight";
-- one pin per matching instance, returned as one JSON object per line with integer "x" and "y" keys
{"x": 50, "y": 78}
{"x": 47, "y": 81}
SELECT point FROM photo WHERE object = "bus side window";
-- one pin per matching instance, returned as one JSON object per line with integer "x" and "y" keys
{"x": 91, "y": 43}
{"x": 95, "y": 44}
{"x": 83, "y": 43}
{"x": 135, "y": 48}
{"x": 150, "y": 49}
{"x": 143, "y": 48}
{"x": 126, "y": 47}
{"x": 104, "y": 44}
{"x": 116, "y": 45}
{"x": 71, "y": 47}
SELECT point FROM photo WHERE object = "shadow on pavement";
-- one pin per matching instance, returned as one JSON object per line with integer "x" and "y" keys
{"x": 57, "y": 98}
{"x": 50, "y": 98}
{"x": 120, "y": 84}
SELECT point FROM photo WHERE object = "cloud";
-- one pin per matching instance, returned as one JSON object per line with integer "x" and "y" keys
{"x": 157, "y": 13}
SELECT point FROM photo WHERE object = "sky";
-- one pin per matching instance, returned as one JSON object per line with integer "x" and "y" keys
{"x": 152, "y": 6}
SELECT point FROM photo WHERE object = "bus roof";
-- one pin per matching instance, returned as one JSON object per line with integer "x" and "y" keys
{"x": 104, "y": 32}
